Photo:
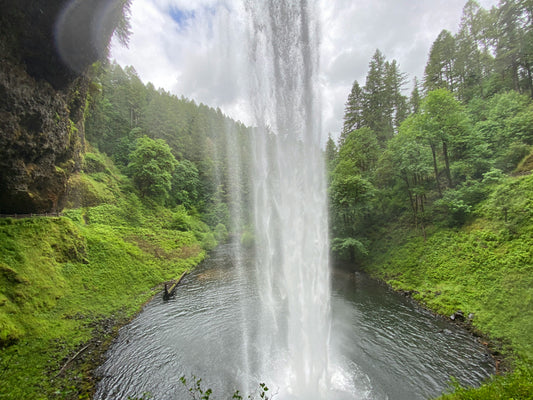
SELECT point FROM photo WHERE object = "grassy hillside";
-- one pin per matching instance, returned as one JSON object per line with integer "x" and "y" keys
{"x": 67, "y": 283}
{"x": 484, "y": 269}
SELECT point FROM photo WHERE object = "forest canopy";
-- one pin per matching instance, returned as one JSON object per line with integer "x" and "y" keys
{"x": 430, "y": 158}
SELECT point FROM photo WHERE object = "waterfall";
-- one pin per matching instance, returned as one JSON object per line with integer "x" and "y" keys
{"x": 289, "y": 188}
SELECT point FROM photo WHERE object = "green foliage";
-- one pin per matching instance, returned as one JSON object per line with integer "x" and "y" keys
{"x": 247, "y": 239}
{"x": 60, "y": 278}
{"x": 185, "y": 184}
{"x": 361, "y": 147}
{"x": 506, "y": 128}
{"x": 348, "y": 248}
{"x": 330, "y": 154}
{"x": 517, "y": 385}
{"x": 198, "y": 392}
{"x": 218, "y": 213}
{"x": 511, "y": 203}
{"x": 433, "y": 204}
{"x": 484, "y": 268}
{"x": 456, "y": 205}
{"x": 380, "y": 104}
{"x": 439, "y": 72}
{"x": 151, "y": 166}
{"x": 208, "y": 241}
{"x": 205, "y": 141}
{"x": 94, "y": 162}
{"x": 351, "y": 198}
{"x": 454, "y": 209}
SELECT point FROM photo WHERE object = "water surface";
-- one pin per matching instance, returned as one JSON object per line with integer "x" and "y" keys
{"x": 381, "y": 345}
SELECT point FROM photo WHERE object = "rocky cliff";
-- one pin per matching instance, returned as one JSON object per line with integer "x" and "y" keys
{"x": 46, "y": 48}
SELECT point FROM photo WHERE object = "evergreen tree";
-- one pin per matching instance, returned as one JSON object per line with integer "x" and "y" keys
{"x": 330, "y": 153}
{"x": 439, "y": 71}
{"x": 414, "y": 101}
{"x": 395, "y": 82}
{"x": 378, "y": 103}
{"x": 468, "y": 60}
{"x": 353, "y": 110}
{"x": 508, "y": 43}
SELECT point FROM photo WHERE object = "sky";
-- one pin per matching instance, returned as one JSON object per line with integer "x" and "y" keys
{"x": 195, "y": 48}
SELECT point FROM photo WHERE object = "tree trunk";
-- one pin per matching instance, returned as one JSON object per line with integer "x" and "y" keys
{"x": 413, "y": 205}
{"x": 447, "y": 163}
{"x": 436, "y": 169}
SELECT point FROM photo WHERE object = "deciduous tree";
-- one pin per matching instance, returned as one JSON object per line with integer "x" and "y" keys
{"x": 151, "y": 166}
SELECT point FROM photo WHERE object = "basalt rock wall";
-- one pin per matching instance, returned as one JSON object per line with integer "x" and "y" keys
{"x": 46, "y": 48}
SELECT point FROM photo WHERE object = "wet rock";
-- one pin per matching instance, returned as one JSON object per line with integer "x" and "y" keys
{"x": 43, "y": 100}
{"x": 457, "y": 316}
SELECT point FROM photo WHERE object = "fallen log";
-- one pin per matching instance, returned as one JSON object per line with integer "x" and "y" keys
{"x": 170, "y": 292}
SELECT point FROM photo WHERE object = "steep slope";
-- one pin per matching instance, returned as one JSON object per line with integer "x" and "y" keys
{"x": 45, "y": 50}
{"x": 67, "y": 283}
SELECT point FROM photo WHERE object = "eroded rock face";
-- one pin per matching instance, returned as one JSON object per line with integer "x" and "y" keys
{"x": 40, "y": 145}
{"x": 43, "y": 92}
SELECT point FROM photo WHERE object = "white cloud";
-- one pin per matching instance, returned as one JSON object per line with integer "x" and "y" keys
{"x": 201, "y": 57}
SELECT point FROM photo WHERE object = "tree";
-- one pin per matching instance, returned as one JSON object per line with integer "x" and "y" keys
{"x": 185, "y": 184}
{"x": 439, "y": 71}
{"x": 409, "y": 161}
{"x": 508, "y": 43}
{"x": 151, "y": 166}
{"x": 330, "y": 153}
{"x": 507, "y": 129}
{"x": 395, "y": 81}
{"x": 351, "y": 198}
{"x": 468, "y": 67}
{"x": 378, "y": 103}
{"x": 351, "y": 191}
{"x": 445, "y": 121}
{"x": 361, "y": 148}
{"x": 414, "y": 101}
{"x": 353, "y": 110}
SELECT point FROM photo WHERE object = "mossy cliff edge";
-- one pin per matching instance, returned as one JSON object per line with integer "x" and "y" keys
{"x": 43, "y": 92}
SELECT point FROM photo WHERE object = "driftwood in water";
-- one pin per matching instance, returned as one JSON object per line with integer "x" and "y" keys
{"x": 170, "y": 292}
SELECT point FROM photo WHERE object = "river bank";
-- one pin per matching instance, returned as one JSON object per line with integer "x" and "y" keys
{"x": 513, "y": 375}
{"x": 79, "y": 367}
{"x": 68, "y": 284}
{"x": 481, "y": 272}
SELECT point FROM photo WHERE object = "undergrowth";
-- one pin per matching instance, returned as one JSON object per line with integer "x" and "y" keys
{"x": 69, "y": 281}
{"x": 484, "y": 269}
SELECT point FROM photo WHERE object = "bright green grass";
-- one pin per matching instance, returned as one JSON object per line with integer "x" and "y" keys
{"x": 60, "y": 277}
{"x": 485, "y": 268}
{"x": 515, "y": 386}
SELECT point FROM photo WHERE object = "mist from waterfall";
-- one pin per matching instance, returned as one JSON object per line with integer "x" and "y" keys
{"x": 265, "y": 307}
{"x": 289, "y": 192}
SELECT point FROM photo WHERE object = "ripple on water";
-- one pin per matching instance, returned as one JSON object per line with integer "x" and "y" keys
{"x": 381, "y": 346}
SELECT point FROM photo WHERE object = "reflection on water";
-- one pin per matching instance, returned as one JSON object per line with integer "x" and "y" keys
{"x": 382, "y": 346}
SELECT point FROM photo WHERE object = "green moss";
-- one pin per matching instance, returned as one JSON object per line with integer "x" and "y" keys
{"x": 484, "y": 269}
{"x": 95, "y": 162}
{"x": 60, "y": 277}
{"x": 516, "y": 386}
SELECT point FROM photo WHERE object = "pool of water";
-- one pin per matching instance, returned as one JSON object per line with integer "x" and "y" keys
{"x": 382, "y": 345}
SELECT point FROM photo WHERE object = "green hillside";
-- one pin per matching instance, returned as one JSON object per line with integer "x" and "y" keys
{"x": 67, "y": 283}
{"x": 432, "y": 192}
